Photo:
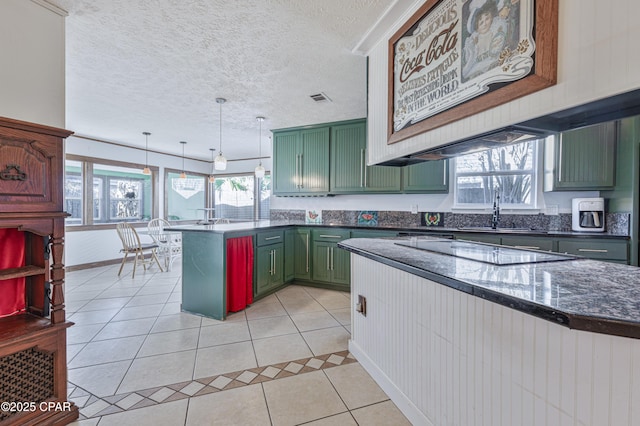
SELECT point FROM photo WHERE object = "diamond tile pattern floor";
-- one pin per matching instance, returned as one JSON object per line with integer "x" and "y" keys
{"x": 135, "y": 359}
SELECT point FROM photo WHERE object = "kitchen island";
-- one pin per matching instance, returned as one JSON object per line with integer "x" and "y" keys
{"x": 311, "y": 259}
{"x": 459, "y": 341}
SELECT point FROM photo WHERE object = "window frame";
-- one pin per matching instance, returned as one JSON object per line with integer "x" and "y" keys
{"x": 536, "y": 180}
{"x": 256, "y": 191}
{"x": 165, "y": 208}
{"x": 87, "y": 191}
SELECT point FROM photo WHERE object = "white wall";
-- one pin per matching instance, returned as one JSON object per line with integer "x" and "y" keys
{"x": 597, "y": 46}
{"x": 32, "y": 71}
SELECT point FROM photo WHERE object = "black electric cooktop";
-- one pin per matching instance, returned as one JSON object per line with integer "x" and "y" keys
{"x": 486, "y": 253}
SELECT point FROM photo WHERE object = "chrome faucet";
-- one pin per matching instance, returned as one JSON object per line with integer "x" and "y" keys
{"x": 495, "y": 218}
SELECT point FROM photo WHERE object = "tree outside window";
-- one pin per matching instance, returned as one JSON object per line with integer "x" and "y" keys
{"x": 508, "y": 171}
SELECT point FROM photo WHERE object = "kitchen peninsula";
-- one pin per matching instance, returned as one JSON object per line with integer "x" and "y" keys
{"x": 460, "y": 341}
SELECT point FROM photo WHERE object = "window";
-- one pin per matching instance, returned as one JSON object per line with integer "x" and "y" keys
{"x": 509, "y": 170}
{"x": 73, "y": 192}
{"x": 234, "y": 197}
{"x": 120, "y": 192}
{"x": 186, "y": 197}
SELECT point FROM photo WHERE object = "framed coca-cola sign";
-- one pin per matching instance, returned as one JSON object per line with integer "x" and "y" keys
{"x": 455, "y": 58}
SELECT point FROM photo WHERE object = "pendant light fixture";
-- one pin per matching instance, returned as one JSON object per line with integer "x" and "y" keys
{"x": 212, "y": 178}
{"x": 146, "y": 170}
{"x": 183, "y": 175}
{"x": 260, "y": 169}
{"x": 220, "y": 162}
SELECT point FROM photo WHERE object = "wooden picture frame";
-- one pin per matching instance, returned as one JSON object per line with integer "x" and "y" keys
{"x": 434, "y": 78}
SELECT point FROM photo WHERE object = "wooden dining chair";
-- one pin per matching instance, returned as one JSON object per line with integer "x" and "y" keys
{"x": 169, "y": 243}
{"x": 131, "y": 245}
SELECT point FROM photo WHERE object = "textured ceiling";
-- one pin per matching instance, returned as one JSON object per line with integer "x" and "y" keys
{"x": 158, "y": 65}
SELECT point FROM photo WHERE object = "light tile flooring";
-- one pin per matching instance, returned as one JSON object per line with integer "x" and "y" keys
{"x": 135, "y": 359}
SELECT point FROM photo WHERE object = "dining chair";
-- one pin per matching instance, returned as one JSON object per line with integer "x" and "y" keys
{"x": 131, "y": 245}
{"x": 169, "y": 243}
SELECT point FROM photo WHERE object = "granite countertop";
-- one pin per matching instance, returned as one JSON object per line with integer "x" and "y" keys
{"x": 267, "y": 224}
{"x": 580, "y": 293}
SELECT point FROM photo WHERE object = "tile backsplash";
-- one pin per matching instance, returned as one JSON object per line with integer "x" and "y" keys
{"x": 616, "y": 223}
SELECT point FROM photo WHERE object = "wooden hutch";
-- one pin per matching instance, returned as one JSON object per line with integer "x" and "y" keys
{"x": 33, "y": 328}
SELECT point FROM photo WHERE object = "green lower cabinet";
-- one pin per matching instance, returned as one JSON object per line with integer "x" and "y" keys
{"x": 302, "y": 254}
{"x": 530, "y": 243}
{"x": 480, "y": 238}
{"x": 269, "y": 268}
{"x": 599, "y": 249}
{"x": 331, "y": 264}
{"x": 372, "y": 233}
{"x": 289, "y": 254}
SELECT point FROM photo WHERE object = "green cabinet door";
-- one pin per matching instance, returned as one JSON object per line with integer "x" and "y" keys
{"x": 321, "y": 261}
{"x": 289, "y": 254}
{"x": 285, "y": 162}
{"x": 349, "y": 171}
{"x": 302, "y": 254}
{"x": 480, "y": 238}
{"x": 426, "y": 177}
{"x": 581, "y": 159}
{"x": 314, "y": 161}
{"x": 269, "y": 268}
{"x": 340, "y": 267}
{"x": 301, "y": 162}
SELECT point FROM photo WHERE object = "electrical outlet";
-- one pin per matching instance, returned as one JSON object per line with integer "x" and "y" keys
{"x": 414, "y": 208}
{"x": 552, "y": 210}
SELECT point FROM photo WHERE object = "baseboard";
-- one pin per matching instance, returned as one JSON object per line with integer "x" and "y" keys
{"x": 93, "y": 265}
{"x": 404, "y": 404}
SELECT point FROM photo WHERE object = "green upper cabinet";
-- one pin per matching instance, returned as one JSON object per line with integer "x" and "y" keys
{"x": 581, "y": 159}
{"x": 426, "y": 177}
{"x": 301, "y": 162}
{"x": 349, "y": 171}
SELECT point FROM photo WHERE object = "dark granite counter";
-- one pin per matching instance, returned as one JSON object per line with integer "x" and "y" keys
{"x": 581, "y": 294}
{"x": 240, "y": 227}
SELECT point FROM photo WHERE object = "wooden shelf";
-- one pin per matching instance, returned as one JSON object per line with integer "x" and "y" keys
{"x": 25, "y": 271}
{"x": 20, "y": 326}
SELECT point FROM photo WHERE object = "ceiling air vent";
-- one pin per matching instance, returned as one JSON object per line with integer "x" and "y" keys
{"x": 320, "y": 97}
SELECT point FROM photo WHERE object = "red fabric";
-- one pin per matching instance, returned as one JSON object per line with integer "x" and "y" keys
{"x": 239, "y": 273}
{"x": 11, "y": 256}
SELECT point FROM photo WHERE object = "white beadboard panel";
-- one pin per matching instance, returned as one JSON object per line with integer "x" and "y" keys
{"x": 596, "y": 41}
{"x": 448, "y": 358}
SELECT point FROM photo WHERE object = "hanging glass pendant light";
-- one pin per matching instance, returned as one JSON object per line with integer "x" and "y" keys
{"x": 212, "y": 178}
{"x": 183, "y": 175}
{"x": 220, "y": 162}
{"x": 260, "y": 169}
{"x": 146, "y": 170}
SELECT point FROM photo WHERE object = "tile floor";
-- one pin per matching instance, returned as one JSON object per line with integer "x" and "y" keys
{"x": 135, "y": 359}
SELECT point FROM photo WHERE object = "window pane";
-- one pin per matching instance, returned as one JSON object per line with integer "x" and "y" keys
{"x": 186, "y": 197}
{"x": 265, "y": 193}
{"x": 234, "y": 197}
{"x": 474, "y": 189}
{"x": 120, "y": 194}
{"x": 73, "y": 192}
{"x": 509, "y": 170}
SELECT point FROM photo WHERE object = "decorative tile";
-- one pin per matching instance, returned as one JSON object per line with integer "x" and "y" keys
{"x": 247, "y": 377}
{"x": 162, "y": 394}
{"x": 129, "y": 401}
{"x": 270, "y": 372}
{"x": 293, "y": 367}
{"x": 94, "y": 408}
{"x": 220, "y": 382}
{"x": 192, "y": 388}
{"x": 314, "y": 363}
{"x": 335, "y": 359}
